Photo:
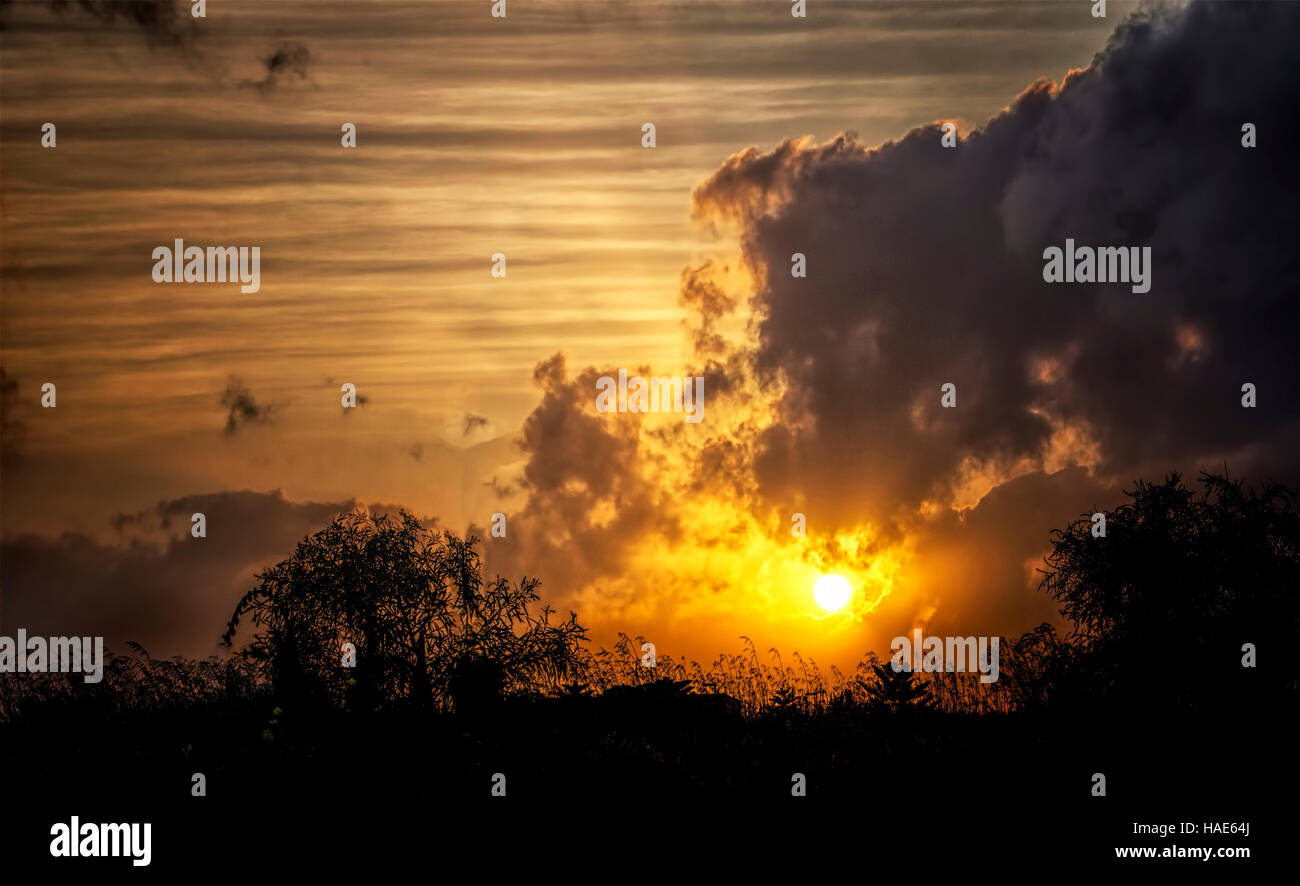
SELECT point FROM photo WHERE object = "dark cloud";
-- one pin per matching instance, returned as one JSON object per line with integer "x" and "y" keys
{"x": 164, "y": 23}
{"x": 12, "y": 428}
{"x": 924, "y": 267}
{"x": 170, "y": 24}
{"x": 242, "y": 407}
{"x": 289, "y": 60}
{"x": 160, "y": 587}
{"x": 588, "y": 498}
{"x": 1007, "y": 535}
{"x": 707, "y": 299}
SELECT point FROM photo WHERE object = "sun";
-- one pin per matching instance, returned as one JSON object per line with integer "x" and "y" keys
{"x": 832, "y": 592}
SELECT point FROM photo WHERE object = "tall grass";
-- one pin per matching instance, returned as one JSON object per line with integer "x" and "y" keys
{"x": 762, "y": 684}
{"x": 132, "y": 685}
{"x": 758, "y": 684}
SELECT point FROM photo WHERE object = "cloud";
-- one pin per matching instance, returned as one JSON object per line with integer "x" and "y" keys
{"x": 1006, "y": 534}
{"x": 170, "y": 25}
{"x": 586, "y": 493}
{"x": 164, "y": 23}
{"x": 159, "y": 586}
{"x": 702, "y": 295}
{"x": 290, "y": 59}
{"x": 242, "y": 407}
{"x": 924, "y": 268}
{"x": 12, "y": 428}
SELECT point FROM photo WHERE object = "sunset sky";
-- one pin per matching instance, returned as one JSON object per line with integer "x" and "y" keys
{"x": 522, "y": 136}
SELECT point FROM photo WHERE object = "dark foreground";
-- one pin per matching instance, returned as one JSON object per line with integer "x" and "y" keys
{"x": 655, "y": 781}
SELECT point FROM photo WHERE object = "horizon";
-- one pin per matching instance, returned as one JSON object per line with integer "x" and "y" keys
{"x": 467, "y": 435}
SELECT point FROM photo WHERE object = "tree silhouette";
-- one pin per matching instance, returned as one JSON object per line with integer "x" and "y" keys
{"x": 427, "y": 630}
{"x": 1162, "y": 605}
{"x": 895, "y": 691}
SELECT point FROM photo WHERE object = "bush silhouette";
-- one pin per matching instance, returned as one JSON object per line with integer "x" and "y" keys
{"x": 895, "y": 691}
{"x": 428, "y": 632}
{"x": 1162, "y": 605}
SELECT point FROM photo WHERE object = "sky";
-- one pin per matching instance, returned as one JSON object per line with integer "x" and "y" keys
{"x": 523, "y": 135}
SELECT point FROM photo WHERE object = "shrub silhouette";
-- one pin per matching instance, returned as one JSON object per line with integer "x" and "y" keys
{"x": 428, "y": 631}
{"x": 895, "y": 691}
{"x": 1162, "y": 605}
